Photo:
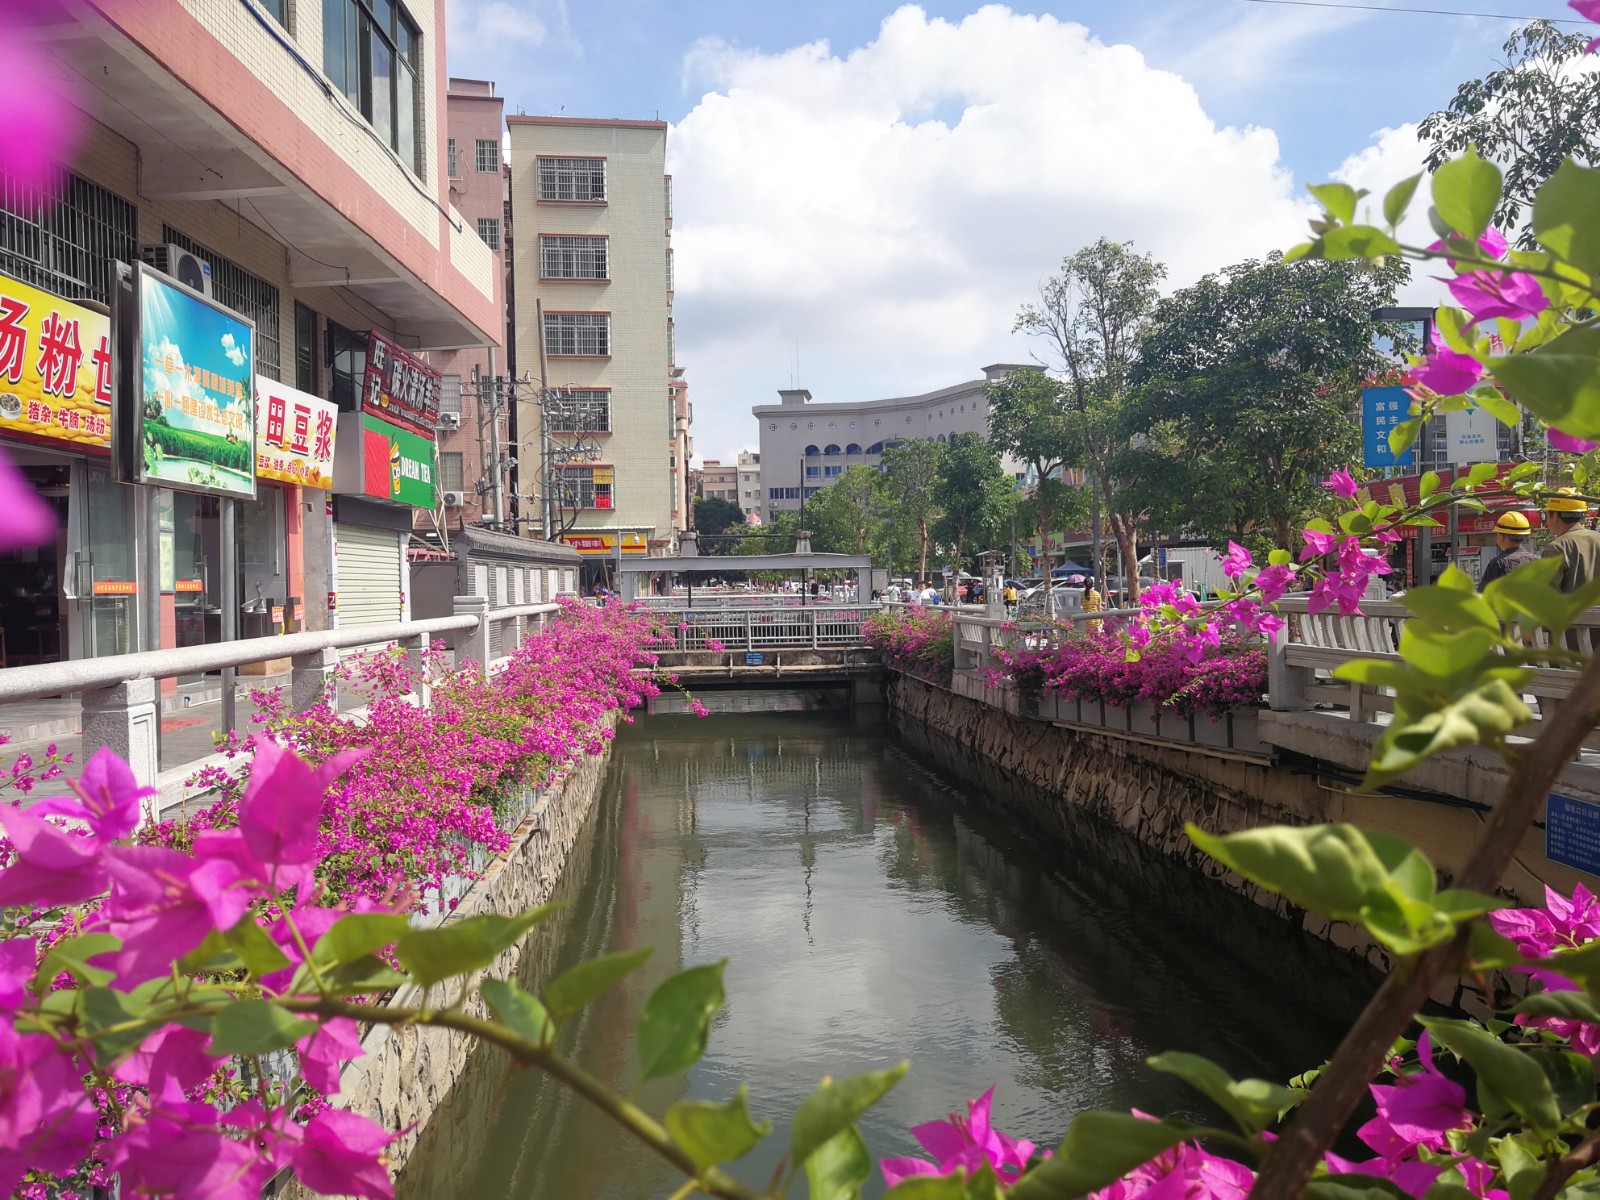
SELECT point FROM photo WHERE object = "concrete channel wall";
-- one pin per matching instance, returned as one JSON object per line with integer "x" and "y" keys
{"x": 1060, "y": 775}
{"x": 406, "y": 1074}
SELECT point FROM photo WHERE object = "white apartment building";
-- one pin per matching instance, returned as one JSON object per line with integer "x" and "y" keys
{"x": 591, "y": 203}
{"x": 750, "y": 498}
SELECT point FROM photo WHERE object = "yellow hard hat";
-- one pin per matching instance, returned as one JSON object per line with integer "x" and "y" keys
{"x": 1512, "y": 524}
{"x": 1565, "y": 500}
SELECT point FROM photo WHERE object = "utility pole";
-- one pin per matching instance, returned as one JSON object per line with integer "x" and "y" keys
{"x": 496, "y": 478}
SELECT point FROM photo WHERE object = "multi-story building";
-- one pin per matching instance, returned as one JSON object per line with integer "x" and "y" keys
{"x": 591, "y": 271}
{"x": 680, "y": 445}
{"x": 474, "y": 434}
{"x": 806, "y": 446}
{"x": 273, "y": 175}
{"x": 749, "y": 468}
{"x": 718, "y": 480}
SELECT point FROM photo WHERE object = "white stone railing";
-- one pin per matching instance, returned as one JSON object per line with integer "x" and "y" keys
{"x": 817, "y": 627}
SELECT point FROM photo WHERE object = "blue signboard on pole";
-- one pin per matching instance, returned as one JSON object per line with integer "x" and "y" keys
{"x": 1572, "y": 833}
{"x": 1382, "y": 408}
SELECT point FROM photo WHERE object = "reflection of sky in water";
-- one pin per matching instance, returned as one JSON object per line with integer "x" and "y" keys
{"x": 867, "y": 918}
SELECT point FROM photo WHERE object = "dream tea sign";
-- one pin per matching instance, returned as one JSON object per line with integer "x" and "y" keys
{"x": 195, "y": 388}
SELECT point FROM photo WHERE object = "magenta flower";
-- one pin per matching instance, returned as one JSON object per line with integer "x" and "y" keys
{"x": 1568, "y": 444}
{"x": 280, "y": 816}
{"x": 1419, "y": 1111}
{"x": 963, "y": 1143}
{"x": 173, "y": 1052}
{"x": 341, "y": 1156}
{"x": 18, "y": 958}
{"x": 1340, "y": 484}
{"x": 1317, "y": 544}
{"x": 1589, "y": 10}
{"x": 53, "y": 866}
{"x": 1487, "y": 295}
{"x": 1493, "y": 243}
{"x": 25, "y": 519}
{"x": 162, "y": 905}
{"x": 1236, "y": 561}
{"x": 336, "y": 1042}
{"x": 108, "y": 797}
{"x": 1273, "y": 581}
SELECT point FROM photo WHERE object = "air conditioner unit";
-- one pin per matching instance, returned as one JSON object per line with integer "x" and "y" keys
{"x": 449, "y": 420}
{"x": 187, "y": 268}
{"x": 454, "y": 499}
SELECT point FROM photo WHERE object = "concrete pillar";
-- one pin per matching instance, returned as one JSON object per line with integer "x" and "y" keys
{"x": 473, "y": 643}
{"x": 1286, "y": 690}
{"x": 126, "y": 718}
{"x": 417, "y": 659}
{"x": 309, "y": 676}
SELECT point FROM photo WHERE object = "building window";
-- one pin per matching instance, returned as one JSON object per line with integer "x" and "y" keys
{"x": 586, "y": 335}
{"x": 813, "y": 471}
{"x": 830, "y": 472}
{"x": 305, "y": 349}
{"x": 852, "y": 448}
{"x": 579, "y": 487}
{"x": 347, "y": 356}
{"x": 572, "y": 179}
{"x": 63, "y": 247}
{"x": 450, "y": 157}
{"x": 580, "y": 410}
{"x": 279, "y": 11}
{"x": 370, "y": 53}
{"x": 450, "y": 394}
{"x": 487, "y": 156}
{"x": 830, "y": 450}
{"x": 450, "y": 471}
{"x": 489, "y": 231}
{"x": 783, "y": 493}
{"x": 573, "y": 257}
{"x": 812, "y": 452}
{"x": 248, "y": 295}
{"x": 669, "y": 270}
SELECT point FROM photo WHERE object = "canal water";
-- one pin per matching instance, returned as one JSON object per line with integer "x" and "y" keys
{"x": 874, "y": 906}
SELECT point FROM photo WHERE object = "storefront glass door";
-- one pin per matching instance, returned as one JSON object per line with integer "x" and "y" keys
{"x": 106, "y": 571}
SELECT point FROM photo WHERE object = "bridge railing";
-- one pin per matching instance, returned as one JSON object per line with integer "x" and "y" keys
{"x": 120, "y": 694}
{"x": 817, "y": 627}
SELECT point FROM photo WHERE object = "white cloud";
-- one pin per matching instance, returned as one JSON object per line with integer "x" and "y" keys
{"x": 232, "y": 351}
{"x": 1396, "y": 154}
{"x": 495, "y": 22}
{"x": 885, "y": 212}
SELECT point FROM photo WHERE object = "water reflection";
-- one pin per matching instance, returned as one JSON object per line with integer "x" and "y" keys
{"x": 874, "y": 907}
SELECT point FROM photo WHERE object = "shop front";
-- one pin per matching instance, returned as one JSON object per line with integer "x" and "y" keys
{"x": 382, "y": 473}
{"x": 600, "y": 551}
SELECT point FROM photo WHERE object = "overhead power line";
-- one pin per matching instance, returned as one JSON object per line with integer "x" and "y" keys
{"x": 1431, "y": 12}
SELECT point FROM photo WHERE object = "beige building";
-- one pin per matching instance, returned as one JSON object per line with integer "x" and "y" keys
{"x": 719, "y": 480}
{"x": 749, "y": 497}
{"x": 591, "y": 204}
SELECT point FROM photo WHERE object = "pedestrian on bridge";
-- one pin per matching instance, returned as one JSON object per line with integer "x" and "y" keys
{"x": 1576, "y": 545}
{"x": 1510, "y": 533}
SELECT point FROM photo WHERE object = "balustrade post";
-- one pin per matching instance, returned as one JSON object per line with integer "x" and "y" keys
{"x": 814, "y": 628}
{"x": 1286, "y": 691}
{"x": 417, "y": 658}
{"x": 127, "y": 718}
{"x": 309, "y": 675}
{"x": 749, "y": 635}
{"x": 473, "y": 643}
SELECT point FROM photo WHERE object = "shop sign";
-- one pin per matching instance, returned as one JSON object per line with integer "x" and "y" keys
{"x": 55, "y": 368}
{"x": 294, "y": 435}
{"x": 194, "y": 428}
{"x": 606, "y": 543}
{"x": 399, "y": 386}
{"x": 1471, "y": 436}
{"x": 115, "y": 587}
{"x": 1382, "y": 408}
{"x": 384, "y": 462}
{"x": 190, "y": 585}
{"x": 300, "y": 615}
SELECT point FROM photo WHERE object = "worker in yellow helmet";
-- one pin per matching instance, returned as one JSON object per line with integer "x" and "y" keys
{"x": 1577, "y": 546}
{"x": 1510, "y": 533}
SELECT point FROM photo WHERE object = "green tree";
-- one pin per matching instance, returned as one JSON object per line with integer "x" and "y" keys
{"x": 1260, "y": 367}
{"x": 1090, "y": 317}
{"x": 911, "y": 485}
{"x": 714, "y": 515}
{"x": 840, "y": 515}
{"x": 1030, "y": 419}
{"x": 973, "y": 493}
{"x": 1541, "y": 106}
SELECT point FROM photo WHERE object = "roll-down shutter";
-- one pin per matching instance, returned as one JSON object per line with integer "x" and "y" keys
{"x": 369, "y": 575}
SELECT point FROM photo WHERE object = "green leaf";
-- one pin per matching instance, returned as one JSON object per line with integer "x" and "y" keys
{"x": 834, "y": 1107}
{"x": 1491, "y": 951}
{"x": 1376, "y": 673}
{"x": 1571, "y": 1077}
{"x": 1402, "y": 435}
{"x": 1521, "y": 471}
{"x": 1511, "y": 1075}
{"x": 1576, "y": 1006}
{"x": 1352, "y": 1187}
{"x": 1253, "y": 1103}
{"x": 1357, "y": 241}
{"x": 367, "y": 974}
{"x": 255, "y": 948}
{"x": 1398, "y": 198}
{"x": 1566, "y": 215}
{"x": 1442, "y": 654}
{"x": 256, "y": 1027}
{"x": 929, "y": 1187}
{"x": 1279, "y": 558}
{"x": 1428, "y": 485}
{"x": 71, "y": 955}
{"x": 518, "y": 1011}
{"x": 1498, "y": 407}
{"x": 1559, "y": 382}
{"x": 677, "y": 1019}
{"x": 117, "y": 1021}
{"x": 434, "y": 955}
{"x": 1451, "y": 609}
{"x": 1482, "y": 472}
{"x": 1099, "y": 1149}
{"x": 837, "y": 1169}
{"x": 574, "y": 988}
{"x": 1466, "y": 191}
{"x": 358, "y": 934}
{"x": 1338, "y": 199}
{"x": 716, "y": 1133}
{"x": 1330, "y": 869}
{"x": 1484, "y": 715}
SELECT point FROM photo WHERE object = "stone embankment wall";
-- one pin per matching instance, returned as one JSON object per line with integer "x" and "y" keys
{"x": 405, "y": 1074}
{"x": 1061, "y": 778}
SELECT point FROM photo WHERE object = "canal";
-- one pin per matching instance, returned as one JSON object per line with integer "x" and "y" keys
{"x": 873, "y": 906}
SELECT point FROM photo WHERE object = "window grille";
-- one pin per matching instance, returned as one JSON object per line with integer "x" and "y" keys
{"x": 66, "y": 247}
{"x": 573, "y": 257}
{"x": 585, "y": 334}
{"x": 488, "y": 156}
{"x": 450, "y": 471}
{"x": 572, "y": 179}
{"x": 247, "y": 294}
{"x": 576, "y": 487}
{"x": 489, "y": 231}
{"x": 450, "y": 393}
{"x": 450, "y": 152}
{"x": 580, "y": 410}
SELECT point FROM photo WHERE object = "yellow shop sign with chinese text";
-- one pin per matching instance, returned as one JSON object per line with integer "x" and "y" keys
{"x": 55, "y": 368}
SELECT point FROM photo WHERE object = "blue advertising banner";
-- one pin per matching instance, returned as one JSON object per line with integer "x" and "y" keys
{"x": 1382, "y": 408}
{"x": 196, "y": 380}
{"x": 1572, "y": 833}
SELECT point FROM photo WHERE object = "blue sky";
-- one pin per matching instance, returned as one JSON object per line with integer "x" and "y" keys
{"x": 877, "y": 188}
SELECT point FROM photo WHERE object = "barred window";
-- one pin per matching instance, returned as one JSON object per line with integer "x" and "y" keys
{"x": 450, "y": 471}
{"x": 450, "y": 393}
{"x": 450, "y": 153}
{"x": 572, "y": 178}
{"x": 582, "y": 334}
{"x": 489, "y": 231}
{"x": 245, "y": 293}
{"x": 579, "y": 487}
{"x": 573, "y": 257}
{"x": 488, "y": 155}
{"x": 64, "y": 247}
{"x": 580, "y": 410}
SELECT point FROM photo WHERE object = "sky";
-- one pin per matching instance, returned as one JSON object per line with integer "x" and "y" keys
{"x": 866, "y": 193}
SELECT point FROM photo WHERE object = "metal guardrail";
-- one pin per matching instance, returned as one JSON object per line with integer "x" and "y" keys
{"x": 827, "y": 627}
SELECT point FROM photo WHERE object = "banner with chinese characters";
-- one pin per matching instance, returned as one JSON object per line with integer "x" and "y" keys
{"x": 606, "y": 543}
{"x": 55, "y": 368}
{"x": 1382, "y": 408}
{"x": 400, "y": 387}
{"x": 196, "y": 423}
{"x": 294, "y": 435}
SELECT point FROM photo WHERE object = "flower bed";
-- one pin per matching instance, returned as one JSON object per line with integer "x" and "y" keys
{"x": 916, "y": 640}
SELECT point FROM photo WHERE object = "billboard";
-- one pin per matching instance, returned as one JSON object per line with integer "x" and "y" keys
{"x": 55, "y": 368}
{"x": 193, "y": 427}
{"x": 1471, "y": 436}
{"x": 400, "y": 387}
{"x": 606, "y": 543}
{"x": 1382, "y": 408}
{"x": 295, "y": 434}
{"x": 380, "y": 460}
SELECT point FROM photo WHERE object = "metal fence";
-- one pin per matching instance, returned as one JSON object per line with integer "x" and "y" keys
{"x": 771, "y": 628}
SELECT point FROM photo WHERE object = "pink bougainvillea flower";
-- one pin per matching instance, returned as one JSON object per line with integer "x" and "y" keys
{"x": 25, "y": 519}
{"x": 179, "y": 1150}
{"x": 53, "y": 866}
{"x": 1568, "y": 444}
{"x": 1487, "y": 295}
{"x": 18, "y": 958}
{"x": 107, "y": 797}
{"x": 1448, "y": 372}
{"x": 1562, "y": 924}
{"x": 959, "y": 1143}
{"x": 281, "y": 813}
{"x": 1340, "y": 484}
{"x": 1418, "y": 1111}
{"x": 1273, "y": 581}
{"x": 173, "y": 1052}
{"x": 1493, "y": 243}
{"x": 162, "y": 905}
{"x": 336, "y": 1042}
{"x": 1590, "y": 10}
{"x": 1236, "y": 561}
{"x": 341, "y": 1154}
{"x": 1316, "y": 545}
